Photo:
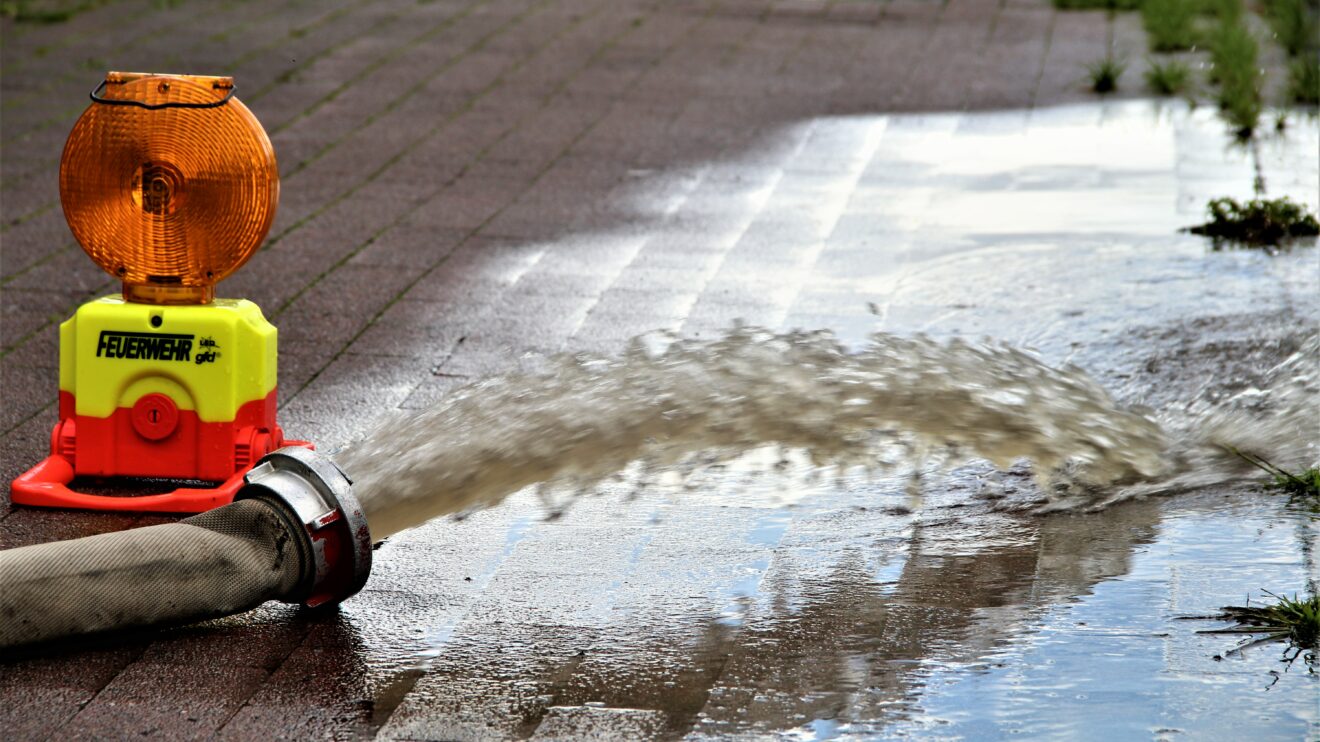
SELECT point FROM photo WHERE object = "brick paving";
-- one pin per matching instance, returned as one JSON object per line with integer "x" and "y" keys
{"x": 465, "y": 183}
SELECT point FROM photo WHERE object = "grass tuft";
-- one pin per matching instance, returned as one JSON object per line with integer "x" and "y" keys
{"x": 1304, "y": 80}
{"x": 1305, "y": 484}
{"x": 1295, "y": 620}
{"x": 1104, "y": 74}
{"x": 24, "y": 13}
{"x": 45, "y": 12}
{"x": 1233, "y": 51}
{"x": 1227, "y": 11}
{"x": 1169, "y": 24}
{"x": 1097, "y": 4}
{"x": 1259, "y": 222}
{"x": 1170, "y": 78}
{"x": 1294, "y": 25}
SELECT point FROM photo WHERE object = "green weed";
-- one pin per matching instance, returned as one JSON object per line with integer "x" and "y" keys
{"x": 1170, "y": 78}
{"x": 1294, "y": 25}
{"x": 1233, "y": 52}
{"x": 1295, "y": 620}
{"x": 1304, "y": 80}
{"x": 1227, "y": 11}
{"x": 1303, "y": 484}
{"x": 1169, "y": 24}
{"x": 1241, "y": 107}
{"x": 25, "y": 12}
{"x": 1104, "y": 74}
{"x": 1259, "y": 222}
{"x": 45, "y": 12}
{"x": 1097, "y": 4}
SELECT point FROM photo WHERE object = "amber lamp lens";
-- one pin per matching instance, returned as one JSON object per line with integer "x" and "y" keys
{"x": 172, "y": 198}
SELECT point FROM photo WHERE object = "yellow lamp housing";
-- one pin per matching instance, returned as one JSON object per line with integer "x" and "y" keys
{"x": 170, "y": 184}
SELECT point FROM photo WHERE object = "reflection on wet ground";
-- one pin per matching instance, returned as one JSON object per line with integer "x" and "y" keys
{"x": 862, "y": 611}
{"x": 1110, "y": 663}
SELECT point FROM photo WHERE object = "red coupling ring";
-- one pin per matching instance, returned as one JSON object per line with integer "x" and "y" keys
{"x": 315, "y": 493}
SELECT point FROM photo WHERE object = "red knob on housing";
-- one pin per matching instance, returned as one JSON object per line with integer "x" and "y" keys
{"x": 155, "y": 416}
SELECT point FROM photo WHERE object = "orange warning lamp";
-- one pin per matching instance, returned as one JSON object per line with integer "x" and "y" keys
{"x": 169, "y": 183}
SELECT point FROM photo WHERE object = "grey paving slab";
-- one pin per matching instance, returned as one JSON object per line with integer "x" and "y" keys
{"x": 1076, "y": 41}
{"x": 302, "y": 20}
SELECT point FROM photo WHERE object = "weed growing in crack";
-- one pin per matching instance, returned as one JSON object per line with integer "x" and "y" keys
{"x": 1227, "y": 11}
{"x": 1169, "y": 24}
{"x": 1304, "y": 80}
{"x": 1293, "y": 620}
{"x": 1169, "y": 78}
{"x": 25, "y": 11}
{"x": 1097, "y": 4}
{"x": 1259, "y": 223}
{"x": 1295, "y": 25}
{"x": 1104, "y": 74}
{"x": 1303, "y": 484}
{"x": 1234, "y": 52}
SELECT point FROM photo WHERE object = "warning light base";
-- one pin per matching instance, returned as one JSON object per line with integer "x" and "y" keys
{"x": 163, "y": 392}
{"x": 47, "y": 485}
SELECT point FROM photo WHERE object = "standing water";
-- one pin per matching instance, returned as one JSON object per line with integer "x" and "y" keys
{"x": 676, "y": 407}
{"x": 947, "y": 617}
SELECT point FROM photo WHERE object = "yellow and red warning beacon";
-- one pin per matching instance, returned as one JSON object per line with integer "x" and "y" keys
{"x": 170, "y": 184}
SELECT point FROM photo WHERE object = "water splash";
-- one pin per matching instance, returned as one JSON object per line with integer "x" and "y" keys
{"x": 676, "y": 407}
{"x": 1278, "y": 420}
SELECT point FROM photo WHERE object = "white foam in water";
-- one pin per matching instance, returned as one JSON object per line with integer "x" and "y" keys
{"x": 677, "y": 406}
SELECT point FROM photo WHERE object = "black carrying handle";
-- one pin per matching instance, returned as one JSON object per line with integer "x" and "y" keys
{"x": 96, "y": 98}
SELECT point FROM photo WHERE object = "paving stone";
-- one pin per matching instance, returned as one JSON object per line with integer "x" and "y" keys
{"x": 336, "y": 394}
{"x": 142, "y": 700}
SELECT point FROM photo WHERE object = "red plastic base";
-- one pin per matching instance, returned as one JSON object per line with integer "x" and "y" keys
{"x": 47, "y": 485}
{"x": 122, "y": 446}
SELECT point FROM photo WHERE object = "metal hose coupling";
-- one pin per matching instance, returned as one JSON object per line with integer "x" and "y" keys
{"x": 294, "y": 533}
{"x": 310, "y": 490}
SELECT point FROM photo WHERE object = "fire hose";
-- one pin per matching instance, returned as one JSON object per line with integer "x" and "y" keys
{"x": 294, "y": 533}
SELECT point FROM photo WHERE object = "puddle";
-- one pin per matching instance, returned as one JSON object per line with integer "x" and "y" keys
{"x": 849, "y": 608}
{"x": 1115, "y": 663}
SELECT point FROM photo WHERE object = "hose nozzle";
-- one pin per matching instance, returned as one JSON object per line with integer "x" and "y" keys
{"x": 312, "y": 489}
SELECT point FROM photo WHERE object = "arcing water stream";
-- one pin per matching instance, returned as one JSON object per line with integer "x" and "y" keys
{"x": 678, "y": 406}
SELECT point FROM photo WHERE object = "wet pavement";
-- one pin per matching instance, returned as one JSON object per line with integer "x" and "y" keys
{"x": 470, "y": 187}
